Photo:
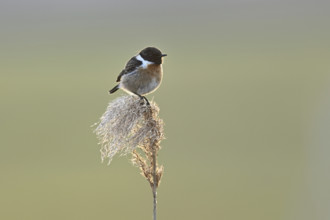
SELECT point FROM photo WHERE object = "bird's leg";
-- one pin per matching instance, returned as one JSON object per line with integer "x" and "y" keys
{"x": 143, "y": 97}
{"x": 146, "y": 100}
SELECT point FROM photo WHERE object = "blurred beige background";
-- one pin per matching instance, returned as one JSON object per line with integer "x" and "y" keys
{"x": 245, "y": 99}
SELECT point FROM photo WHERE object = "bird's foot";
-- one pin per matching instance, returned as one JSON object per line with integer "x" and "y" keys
{"x": 148, "y": 104}
{"x": 143, "y": 97}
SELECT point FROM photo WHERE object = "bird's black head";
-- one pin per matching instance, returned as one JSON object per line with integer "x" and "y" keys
{"x": 152, "y": 54}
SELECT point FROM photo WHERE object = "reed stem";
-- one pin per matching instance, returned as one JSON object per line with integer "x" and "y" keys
{"x": 154, "y": 174}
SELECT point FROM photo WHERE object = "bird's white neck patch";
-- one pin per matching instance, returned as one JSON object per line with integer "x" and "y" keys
{"x": 145, "y": 63}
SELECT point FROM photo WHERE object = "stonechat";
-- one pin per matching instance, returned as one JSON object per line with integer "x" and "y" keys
{"x": 143, "y": 73}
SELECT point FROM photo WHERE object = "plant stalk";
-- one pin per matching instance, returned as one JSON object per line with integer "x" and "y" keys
{"x": 154, "y": 174}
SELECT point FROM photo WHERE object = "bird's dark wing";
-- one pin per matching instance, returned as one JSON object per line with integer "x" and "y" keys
{"x": 131, "y": 65}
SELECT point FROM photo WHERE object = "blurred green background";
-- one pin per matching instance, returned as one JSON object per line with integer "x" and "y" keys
{"x": 245, "y": 99}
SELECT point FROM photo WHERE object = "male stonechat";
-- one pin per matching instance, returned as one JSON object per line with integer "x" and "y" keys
{"x": 143, "y": 73}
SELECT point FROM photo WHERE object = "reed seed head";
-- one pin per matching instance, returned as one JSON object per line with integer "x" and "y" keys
{"x": 127, "y": 125}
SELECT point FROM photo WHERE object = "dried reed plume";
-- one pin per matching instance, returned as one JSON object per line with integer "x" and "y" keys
{"x": 130, "y": 127}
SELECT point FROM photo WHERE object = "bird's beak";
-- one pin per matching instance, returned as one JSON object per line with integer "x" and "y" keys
{"x": 164, "y": 55}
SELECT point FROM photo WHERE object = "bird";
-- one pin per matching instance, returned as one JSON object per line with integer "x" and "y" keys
{"x": 142, "y": 75}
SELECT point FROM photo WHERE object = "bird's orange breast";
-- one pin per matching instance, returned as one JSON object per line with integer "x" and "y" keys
{"x": 154, "y": 71}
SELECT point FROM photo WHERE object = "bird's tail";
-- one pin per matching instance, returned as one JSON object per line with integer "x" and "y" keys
{"x": 114, "y": 89}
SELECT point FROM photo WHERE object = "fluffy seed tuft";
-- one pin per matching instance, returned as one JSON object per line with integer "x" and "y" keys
{"x": 128, "y": 125}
